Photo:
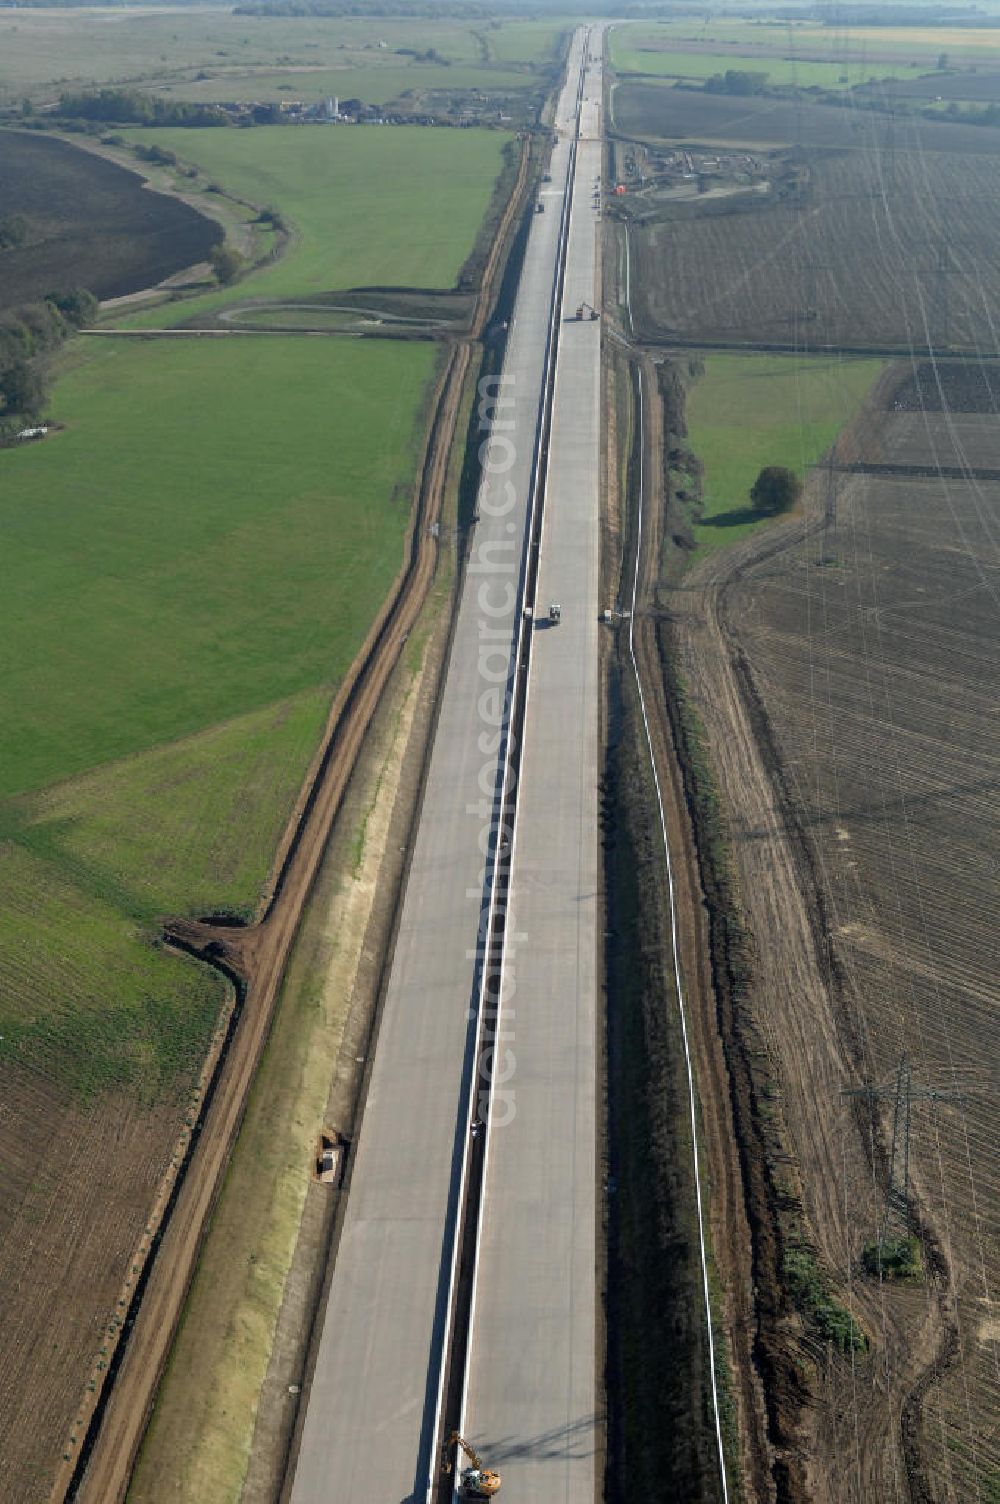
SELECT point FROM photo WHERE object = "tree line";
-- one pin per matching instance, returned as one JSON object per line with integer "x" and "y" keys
{"x": 739, "y": 81}
{"x": 131, "y": 107}
{"x": 28, "y": 335}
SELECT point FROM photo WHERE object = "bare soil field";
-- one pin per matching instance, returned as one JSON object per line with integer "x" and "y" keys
{"x": 660, "y": 112}
{"x": 868, "y": 249}
{"x": 844, "y": 666}
{"x": 932, "y": 442}
{"x": 955, "y": 390}
{"x": 134, "y": 1141}
{"x": 90, "y": 224}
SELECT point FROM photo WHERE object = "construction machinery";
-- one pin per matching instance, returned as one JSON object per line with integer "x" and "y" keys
{"x": 585, "y": 311}
{"x": 477, "y": 1481}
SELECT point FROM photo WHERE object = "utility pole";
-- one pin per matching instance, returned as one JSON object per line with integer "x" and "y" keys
{"x": 945, "y": 261}
{"x": 811, "y": 312}
{"x": 896, "y": 1211}
{"x": 891, "y": 150}
{"x": 941, "y": 310}
{"x": 828, "y": 547}
{"x": 795, "y": 85}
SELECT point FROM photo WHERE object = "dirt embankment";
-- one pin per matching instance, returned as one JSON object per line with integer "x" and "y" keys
{"x": 842, "y": 1426}
{"x": 255, "y": 957}
{"x": 662, "y": 1422}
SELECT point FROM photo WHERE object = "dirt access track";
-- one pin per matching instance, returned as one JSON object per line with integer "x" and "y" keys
{"x": 255, "y": 957}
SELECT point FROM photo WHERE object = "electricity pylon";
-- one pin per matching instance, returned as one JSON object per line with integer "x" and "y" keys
{"x": 896, "y": 1213}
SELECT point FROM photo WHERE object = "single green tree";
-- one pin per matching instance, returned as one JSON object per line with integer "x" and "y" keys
{"x": 77, "y": 306}
{"x": 775, "y": 491}
{"x": 227, "y": 263}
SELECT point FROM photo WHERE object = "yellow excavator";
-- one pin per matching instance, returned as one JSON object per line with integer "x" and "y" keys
{"x": 475, "y": 1482}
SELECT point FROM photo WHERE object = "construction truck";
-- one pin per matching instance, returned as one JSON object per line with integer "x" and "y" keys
{"x": 555, "y": 614}
{"x": 475, "y": 1482}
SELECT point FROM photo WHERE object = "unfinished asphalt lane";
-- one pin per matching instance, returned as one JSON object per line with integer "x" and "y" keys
{"x": 373, "y": 1403}
{"x": 530, "y": 1402}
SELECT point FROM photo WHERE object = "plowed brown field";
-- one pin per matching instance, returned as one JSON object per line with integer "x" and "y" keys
{"x": 90, "y": 223}
{"x": 882, "y": 246}
{"x": 659, "y": 112}
{"x": 846, "y": 674}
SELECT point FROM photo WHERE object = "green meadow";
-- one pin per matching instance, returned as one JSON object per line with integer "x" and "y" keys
{"x": 525, "y": 41}
{"x": 830, "y": 61}
{"x": 45, "y": 50}
{"x": 697, "y": 66}
{"x": 368, "y": 205}
{"x": 189, "y": 567}
{"x": 748, "y": 411}
{"x": 212, "y": 532}
{"x": 373, "y": 83}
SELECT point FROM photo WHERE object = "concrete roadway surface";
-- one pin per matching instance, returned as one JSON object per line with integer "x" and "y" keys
{"x": 368, "y": 1429}
{"x": 530, "y": 1401}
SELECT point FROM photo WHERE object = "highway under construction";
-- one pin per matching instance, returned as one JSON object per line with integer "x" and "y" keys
{"x": 463, "y": 1297}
